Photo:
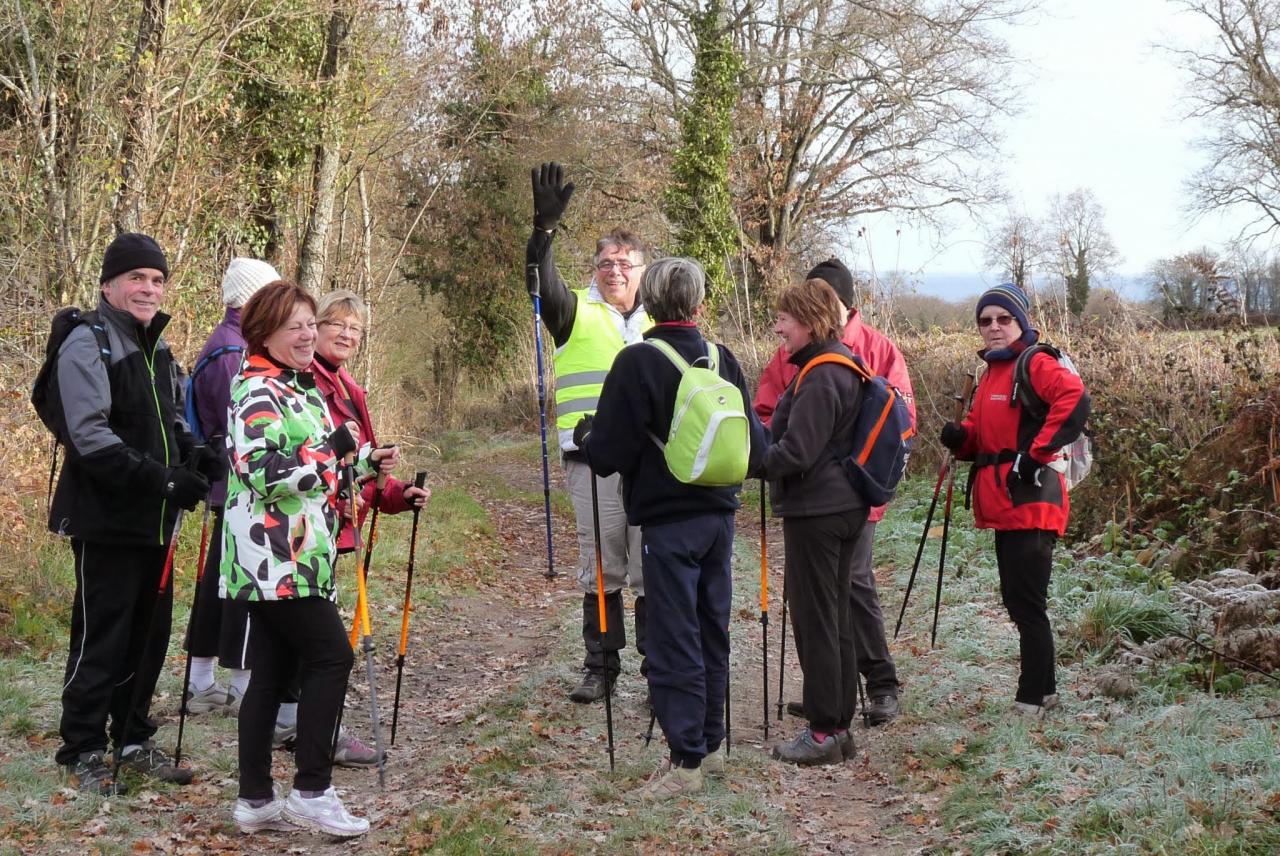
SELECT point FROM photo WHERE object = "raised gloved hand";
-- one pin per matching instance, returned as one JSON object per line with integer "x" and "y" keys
{"x": 953, "y": 436}
{"x": 209, "y": 463}
{"x": 185, "y": 487}
{"x": 1026, "y": 469}
{"x": 581, "y": 431}
{"x": 550, "y": 195}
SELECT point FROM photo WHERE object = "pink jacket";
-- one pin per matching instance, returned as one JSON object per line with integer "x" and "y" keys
{"x": 875, "y": 349}
{"x": 392, "y": 500}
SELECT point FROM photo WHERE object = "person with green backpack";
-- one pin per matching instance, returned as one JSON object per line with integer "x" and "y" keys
{"x": 674, "y": 421}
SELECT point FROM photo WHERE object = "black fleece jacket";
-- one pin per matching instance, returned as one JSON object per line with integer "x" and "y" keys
{"x": 812, "y": 434}
{"x": 639, "y": 398}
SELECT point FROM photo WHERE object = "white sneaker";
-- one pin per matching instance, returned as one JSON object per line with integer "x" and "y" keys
{"x": 324, "y": 813}
{"x": 261, "y": 819}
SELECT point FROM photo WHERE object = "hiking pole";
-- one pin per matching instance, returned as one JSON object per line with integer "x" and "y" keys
{"x": 191, "y": 621}
{"x": 419, "y": 481}
{"x": 604, "y": 623}
{"x": 948, "y": 465}
{"x": 535, "y": 289}
{"x": 362, "y": 607}
{"x": 764, "y": 609}
{"x": 782, "y": 653}
{"x": 728, "y": 718}
{"x": 352, "y": 513}
{"x": 961, "y": 404}
{"x": 363, "y": 567}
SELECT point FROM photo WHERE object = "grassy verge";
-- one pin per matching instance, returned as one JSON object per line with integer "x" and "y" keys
{"x": 1170, "y": 769}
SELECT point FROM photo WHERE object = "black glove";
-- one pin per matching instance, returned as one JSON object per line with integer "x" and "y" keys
{"x": 953, "y": 436}
{"x": 341, "y": 441}
{"x": 550, "y": 195}
{"x": 209, "y": 463}
{"x": 185, "y": 487}
{"x": 1025, "y": 469}
{"x": 581, "y": 431}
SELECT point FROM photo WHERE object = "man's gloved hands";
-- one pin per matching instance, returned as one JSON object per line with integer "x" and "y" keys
{"x": 1026, "y": 469}
{"x": 550, "y": 195}
{"x": 209, "y": 463}
{"x": 581, "y": 430}
{"x": 185, "y": 487}
{"x": 953, "y": 436}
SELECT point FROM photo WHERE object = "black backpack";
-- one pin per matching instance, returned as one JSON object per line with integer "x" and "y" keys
{"x": 45, "y": 397}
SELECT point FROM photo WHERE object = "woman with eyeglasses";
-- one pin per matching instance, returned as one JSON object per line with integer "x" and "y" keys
{"x": 1016, "y": 492}
{"x": 280, "y": 545}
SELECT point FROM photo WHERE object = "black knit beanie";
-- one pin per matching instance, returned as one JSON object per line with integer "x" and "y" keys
{"x": 836, "y": 275}
{"x": 131, "y": 251}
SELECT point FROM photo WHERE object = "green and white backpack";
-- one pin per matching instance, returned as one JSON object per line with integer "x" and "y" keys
{"x": 710, "y": 437}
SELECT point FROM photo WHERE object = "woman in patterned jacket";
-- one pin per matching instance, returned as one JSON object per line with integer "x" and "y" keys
{"x": 279, "y": 550}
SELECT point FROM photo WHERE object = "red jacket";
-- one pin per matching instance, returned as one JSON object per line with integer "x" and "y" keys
{"x": 995, "y": 424}
{"x": 881, "y": 356}
{"x": 392, "y": 500}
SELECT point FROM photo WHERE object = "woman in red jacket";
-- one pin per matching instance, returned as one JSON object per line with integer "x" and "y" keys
{"x": 1016, "y": 489}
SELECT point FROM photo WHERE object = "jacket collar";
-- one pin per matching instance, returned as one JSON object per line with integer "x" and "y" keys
{"x": 996, "y": 355}
{"x": 128, "y": 325}
{"x": 262, "y": 365}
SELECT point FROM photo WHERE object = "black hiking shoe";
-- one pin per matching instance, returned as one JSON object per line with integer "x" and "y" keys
{"x": 883, "y": 708}
{"x": 796, "y": 709}
{"x": 591, "y": 689}
{"x": 150, "y": 760}
{"x": 90, "y": 774}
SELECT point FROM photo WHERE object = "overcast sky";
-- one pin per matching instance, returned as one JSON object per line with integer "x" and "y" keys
{"x": 1102, "y": 110}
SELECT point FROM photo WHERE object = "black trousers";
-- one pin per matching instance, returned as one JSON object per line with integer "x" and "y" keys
{"x": 1025, "y": 560}
{"x": 874, "y": 660}
{"x": 221, "y": 627}
{"x": 303, "y": 636}
{"x": 119, "y": 637}
{"x": 820, "y": 554}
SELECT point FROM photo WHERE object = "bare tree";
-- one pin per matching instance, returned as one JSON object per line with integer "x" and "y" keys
{"x": 1083, "y": 245}
{"x": 1184, "y": 285}
{"x": 1017, "y": 248}
{"x": 137, "y": 148}
{"x": 1235, "y": 88}
{"x": 847, "y": 108}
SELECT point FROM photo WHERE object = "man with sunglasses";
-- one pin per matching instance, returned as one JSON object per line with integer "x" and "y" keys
{"x": 589, "y": 327}
{"x": 1015, "y": 491}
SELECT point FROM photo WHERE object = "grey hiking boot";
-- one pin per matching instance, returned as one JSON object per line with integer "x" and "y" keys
{"x": 713, "y": 763}
{"x": 1023, "y": 710}
{"x": 150, "y": 760}
{"x": 351, "y": 752}
{"x": 807, "y": 752}
{"x": 591, "y": 689}
{"x": 90, "y": 774}
{"x": 214, "y": 698}
{"x": 883, "y": 709}
{"x": 1050, "y": 701}
{"x": 847, "y": 747}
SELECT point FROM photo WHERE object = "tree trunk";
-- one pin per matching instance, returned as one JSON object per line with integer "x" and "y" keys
{"x": 312, "y": 260}
{"x": 137, "y": 148}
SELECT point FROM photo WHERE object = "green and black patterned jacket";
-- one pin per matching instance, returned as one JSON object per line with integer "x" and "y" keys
{"x": 281, "y": 523}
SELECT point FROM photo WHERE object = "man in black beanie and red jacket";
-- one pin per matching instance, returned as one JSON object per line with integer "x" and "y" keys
{"x": 130, "y": 466}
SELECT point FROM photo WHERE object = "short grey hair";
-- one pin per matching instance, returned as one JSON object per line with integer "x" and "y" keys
{"x": 341, "y": 304}
{"x": 672, "y": 289}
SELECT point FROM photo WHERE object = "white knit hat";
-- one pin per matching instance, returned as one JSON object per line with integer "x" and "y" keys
{"x": 243, "y": 278}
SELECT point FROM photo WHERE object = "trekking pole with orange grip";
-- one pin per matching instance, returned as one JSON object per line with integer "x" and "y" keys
{"x": 962, "y": 404}
{"x": 764, "y": 608}
{"x": 600, "y": 605}
{"x": 362, "y": 619}
{"x": 191, "y": 622}
{"x": 419, "y": 481}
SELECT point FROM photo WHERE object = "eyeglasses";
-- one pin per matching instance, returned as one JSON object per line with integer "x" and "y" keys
{"x": 609, "y": 264}
{"x": 350, "y": 329}
{"x": 1002, "y": 320}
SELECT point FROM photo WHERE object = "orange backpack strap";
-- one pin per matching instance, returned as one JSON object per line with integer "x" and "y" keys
{"x": 839, "y": 359}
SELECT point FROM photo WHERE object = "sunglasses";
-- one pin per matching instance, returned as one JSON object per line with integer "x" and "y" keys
{"x": 1002, "y": 320}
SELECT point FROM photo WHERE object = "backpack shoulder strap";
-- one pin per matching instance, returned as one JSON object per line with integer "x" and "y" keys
{"x": 99, "y": 330}
{"x": 213, "y": 355}
{"x": 670, "y": 353}
{"x": 839, "y": 359}
{"x": 1024, "y": 392}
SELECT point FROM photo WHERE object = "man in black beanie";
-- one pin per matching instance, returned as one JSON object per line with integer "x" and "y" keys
{"x": 130, "y": 465}
{"x": 882, "y": 357}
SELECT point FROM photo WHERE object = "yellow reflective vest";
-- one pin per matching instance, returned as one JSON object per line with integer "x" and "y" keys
{"x": 599, "y": 332}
